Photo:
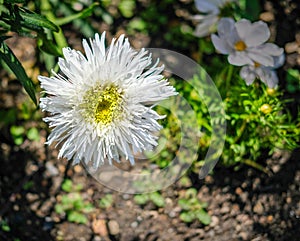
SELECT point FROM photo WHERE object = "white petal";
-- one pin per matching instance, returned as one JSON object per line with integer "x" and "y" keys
{"x": 279, "y": 61}
{"x": 269, "y": 48}
{"x": 220, "y": 44}
{"x": 239, "y": 59}
{"x": 269, "y": 77}
{"x": 227, "y": 31}
{"x": 260, "y": 57}
{"x": 252, "y": 34}
{"x": 85, "y": 140}
{"x": 206, "y": 6}
{"x": 225, "y": 26}
{"x": 206, "y": 26}
{"x": 247, "y": 74}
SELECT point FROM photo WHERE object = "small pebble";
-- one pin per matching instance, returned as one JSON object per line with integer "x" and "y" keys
{"x": 113, "y": 227}
{"x": 258, "y": 208}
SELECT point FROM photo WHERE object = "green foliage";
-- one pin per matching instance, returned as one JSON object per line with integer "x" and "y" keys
{"x": 38, "y": 20}
{"x": 22, "y": 20}
{"x": 72, "y": 204}
{"x": 106, "y": 201}
{"x": 155, "y": 197}
{"x": 257, "y": 120}
{"x": 293, "y": 81}
{"x": 13, "y": 63}
{"x": 33, "y": 134}
{"x": 4, "y": 226}
{"x": 68, "y": 186}
{"x": 28, "y": 185}
{"x": 248, "y": 9}
{"x": 19, "y": 133}
{"x": 192, "y": 208}
{"x": 127, "y": 7}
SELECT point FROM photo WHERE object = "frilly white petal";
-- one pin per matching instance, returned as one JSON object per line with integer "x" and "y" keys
{"x": 122, "y": 66}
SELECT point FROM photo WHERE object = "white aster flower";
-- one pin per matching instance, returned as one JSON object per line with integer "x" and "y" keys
{"x": 244, "y": 42}
{"x": 101, "y": 106}
{"x": 266, "y": 74}
{"x": 208, "y": 20}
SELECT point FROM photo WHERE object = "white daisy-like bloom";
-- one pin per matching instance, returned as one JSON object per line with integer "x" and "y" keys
{"x": 208, "y": 20}
{"x": 244, "y": 42}
{"x": 101, "y": 105}
{"x": 266, "y": 74}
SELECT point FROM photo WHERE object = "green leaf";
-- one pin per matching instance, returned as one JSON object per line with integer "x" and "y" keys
{"x": 4, "y": 226}
{"x": 17, "y": 130}
{"x": 137, "y": 24}
{"x": 13, "y": 63}
{"x": 187, "y": 217}
{"x": 157, "y": 199}
{"x": 141, "y": 199}
{"x": 203, "y": 217}
{"x": 77, "y": 217}
{"x": 78, "y": 204}
{"x": 33, "y": 20}
{"x": 83, "y": 14}
{"x": 106, "y": 201}
{"x": 67, "y": 185}
{"x": 191, "y": 193}
{"x": 28, "y": 185}
{"x": 252, "y": 10}
{"x": 88, "y": 207}
{"x": 59, "y": 208}
{"x": 184, "y": 204}
{"x": 48, "y": 46}
{"x": 33, "y": 134}
{"x": 126, "y": 8}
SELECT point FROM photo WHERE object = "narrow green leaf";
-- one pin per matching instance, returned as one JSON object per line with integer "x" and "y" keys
{"x": 33, "y": 20}
{"x": 48, "y": 46}
{"x": 83, "y": 14}
{"x": 13, "y": 63}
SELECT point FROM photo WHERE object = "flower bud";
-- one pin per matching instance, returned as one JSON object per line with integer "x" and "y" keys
{"x": 271, "y": 91}
{"x": 265, "y": 108}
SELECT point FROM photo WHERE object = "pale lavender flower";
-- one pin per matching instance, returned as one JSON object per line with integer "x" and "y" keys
{"x": 245, "y": 42}
{"x": 209, "y": 18}
{"x": 266, "y": 74}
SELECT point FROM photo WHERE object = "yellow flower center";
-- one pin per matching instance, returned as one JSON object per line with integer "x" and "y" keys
{"x": 256, "y": 65}
{"x": 240, "y": 46}
{"x": 102, "y": 104}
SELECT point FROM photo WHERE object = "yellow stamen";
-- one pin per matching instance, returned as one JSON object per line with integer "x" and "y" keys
{"x": 102, "y": 104}
{"x": 256, "y": 65}
{"x": 240, "y": 46}
{"x": 107, "y": 105}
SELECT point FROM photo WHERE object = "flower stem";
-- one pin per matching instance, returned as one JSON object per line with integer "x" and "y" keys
{"x": 229, "y": 75}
